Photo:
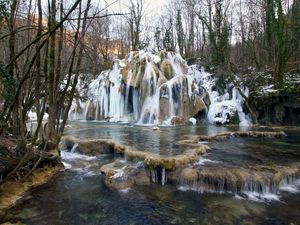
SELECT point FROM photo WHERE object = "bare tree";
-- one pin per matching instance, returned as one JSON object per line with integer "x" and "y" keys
{"x": 136, "y": 11}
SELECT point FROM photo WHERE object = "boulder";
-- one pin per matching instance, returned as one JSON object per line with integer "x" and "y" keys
{"x": 192, "y": 108}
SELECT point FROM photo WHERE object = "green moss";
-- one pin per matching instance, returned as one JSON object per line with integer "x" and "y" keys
{"x": 154, "y": 163}
{"x": 168, "y": 70}
{"x": 162, "y": 56}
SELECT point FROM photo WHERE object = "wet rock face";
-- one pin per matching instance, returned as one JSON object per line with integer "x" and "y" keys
{"x": 194, "y": 107}
{"x": 279, "y": 109}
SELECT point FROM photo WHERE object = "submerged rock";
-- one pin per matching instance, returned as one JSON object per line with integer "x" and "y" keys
{"x": 125, "y": 176}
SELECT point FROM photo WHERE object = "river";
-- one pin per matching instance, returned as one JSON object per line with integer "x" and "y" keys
{"x": 78, "y": 195}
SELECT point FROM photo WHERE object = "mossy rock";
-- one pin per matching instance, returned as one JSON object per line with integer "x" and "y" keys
{"x": 167, "y": 69}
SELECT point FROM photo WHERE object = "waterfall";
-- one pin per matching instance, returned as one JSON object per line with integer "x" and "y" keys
{"x": 158, "y": 175}
{"x": 171, "y": 100}
{"x": 135, "y": 103}
{"x": 150, "y": 108}
{"x": 151, "y": 89}
{"x": 127, "y": 91}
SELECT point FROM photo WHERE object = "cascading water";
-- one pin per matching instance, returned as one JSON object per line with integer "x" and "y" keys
{"x": 159, "y": 175}
{"x": 242, "y": 182}
{"x": 150, "y": 109}
{"x": 152, "y": 89}
{"x": 222, "y": 107}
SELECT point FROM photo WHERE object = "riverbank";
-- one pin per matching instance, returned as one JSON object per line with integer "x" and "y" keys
{"x": 12, "y": 191}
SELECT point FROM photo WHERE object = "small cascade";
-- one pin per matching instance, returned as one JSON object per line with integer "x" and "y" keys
{"x": 159, "y": 176}
{"x": 135, "y": 104}
{"x": 214, "y": 180}
{"x": 116, "y": 100}
{"x": 74, "y": 148}
{"x": 171, "y": 99}
{"x": 150, "y": 89}
{"x": 150, "y": 108}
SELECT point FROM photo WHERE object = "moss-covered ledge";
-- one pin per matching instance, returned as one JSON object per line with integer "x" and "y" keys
{"x": 153, "y": 161}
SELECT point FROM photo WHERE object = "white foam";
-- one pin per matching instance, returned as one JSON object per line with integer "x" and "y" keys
{"x": 67, "y": 165}
{"x": 186, "y": 188}
{"x": 119, "y": 173}
{"x": 290, "y": 188}
{"x": 90, "y": 173}
{"x": 203, "y": 142}
{"x": 261, "y": 197}
{"x": 125, "y": 190}
{"x": 203, "y": 161}
{"x": 74, "y": 156}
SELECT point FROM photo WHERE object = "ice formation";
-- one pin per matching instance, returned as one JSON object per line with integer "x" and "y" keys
{"x": 153, "y": 89}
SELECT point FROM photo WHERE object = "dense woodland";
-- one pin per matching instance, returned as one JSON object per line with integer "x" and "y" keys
{"x": 45, "y": 46}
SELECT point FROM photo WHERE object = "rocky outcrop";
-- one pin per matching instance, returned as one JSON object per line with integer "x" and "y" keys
{"x": 194, "y": 108}
{"x": 282, "y": 108}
